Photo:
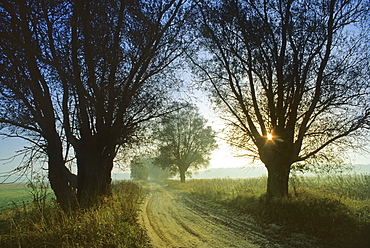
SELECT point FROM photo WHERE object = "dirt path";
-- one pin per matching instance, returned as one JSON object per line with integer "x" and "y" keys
{"x": 174, "y": 220}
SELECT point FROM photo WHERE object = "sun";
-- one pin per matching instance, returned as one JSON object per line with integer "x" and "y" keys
{"x": 269, "y": 136}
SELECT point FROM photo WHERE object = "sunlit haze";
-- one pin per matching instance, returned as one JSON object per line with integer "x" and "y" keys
{"x": 222, "y": 157}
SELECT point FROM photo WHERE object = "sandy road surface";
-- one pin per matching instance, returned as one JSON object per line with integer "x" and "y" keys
{"x": 174, "y": 220}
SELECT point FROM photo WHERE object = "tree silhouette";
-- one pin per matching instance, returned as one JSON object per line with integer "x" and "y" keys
{"x": 291, "y": 77}
{"x": 85, "y": 75}
{"x": 184, "y": 141}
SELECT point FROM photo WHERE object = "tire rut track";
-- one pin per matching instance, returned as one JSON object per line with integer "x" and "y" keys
{"x": 173, "y": 221}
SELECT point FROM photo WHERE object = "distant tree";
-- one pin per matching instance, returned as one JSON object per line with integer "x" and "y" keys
{"x": 184, "y": 141}
{"x": 291, "y": 77}
{"x": 143, "y": 168}
{"x": 139, "y": 167}
{"x": 83, "y": 76}
{"x": 158, "y": 173}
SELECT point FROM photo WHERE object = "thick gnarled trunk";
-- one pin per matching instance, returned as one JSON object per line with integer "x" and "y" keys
{"x": 278, "y": 179}
{"x": 88, "y": 175}
{"x": 61, "y": 180}
{"x": 94, "y": 182}
{"x": 94, "y": 173}
{"x": 278, "y": 157}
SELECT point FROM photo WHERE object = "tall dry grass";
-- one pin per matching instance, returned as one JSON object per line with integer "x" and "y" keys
{"x": 112, "y": 224}
{"x": 332, "y": 208}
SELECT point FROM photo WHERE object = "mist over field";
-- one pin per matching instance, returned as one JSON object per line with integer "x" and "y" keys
{"x": 241, "y": 172}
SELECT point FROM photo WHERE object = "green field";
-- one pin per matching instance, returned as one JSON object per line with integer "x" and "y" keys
{"x": 14, "y": 195}
{"x": 17, "y": 195}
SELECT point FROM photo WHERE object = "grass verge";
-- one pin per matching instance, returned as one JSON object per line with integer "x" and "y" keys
{"x": 113, "y": 224}
{"x": 335, "y": 209}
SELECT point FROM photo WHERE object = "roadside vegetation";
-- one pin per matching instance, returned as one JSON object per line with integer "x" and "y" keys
{"x": 334, "y": 209}
{"x": 42, "y": 224}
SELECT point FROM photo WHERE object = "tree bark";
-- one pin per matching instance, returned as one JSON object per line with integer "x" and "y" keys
{"x": 278, "y": 179}
{"x": 182, "y": 175}
{"x": 106, "y": 166}
{"x": 94, "y": 173}
{"x": 88, "y": 173}
{"x": 61, "y": 179}
{"x": 278, "y": 157}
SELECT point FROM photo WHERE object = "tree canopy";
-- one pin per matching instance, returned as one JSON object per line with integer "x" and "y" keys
{"x": 184, "y": 141}
{"x": 82, "y": 76}
{"x": 291, "y": 77}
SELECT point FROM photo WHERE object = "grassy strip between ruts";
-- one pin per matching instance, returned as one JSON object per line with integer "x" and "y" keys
{"x": 335, "y": 209}
{"x": 112, "y": 224}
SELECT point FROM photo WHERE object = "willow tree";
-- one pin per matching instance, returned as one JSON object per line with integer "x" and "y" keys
{"x": 86, "y": 74}
{"x": 184, "y": 141}
{"x": 292, "y": 77}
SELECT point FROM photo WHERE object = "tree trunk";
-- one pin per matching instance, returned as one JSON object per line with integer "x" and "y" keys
{"x": 88, "y": 188}
{"x": 182, "y": 175}
{"x": 94, "y": 173}
{"x": 278, "y": 157}
{"x": 88, "y": 174}
{"x": 106, "y": 167}
{"x": 278, "y": 178}
{"x": 60, "y": 178}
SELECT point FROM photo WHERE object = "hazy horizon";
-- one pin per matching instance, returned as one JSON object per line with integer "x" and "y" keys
{"x": 241, "y": 172}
